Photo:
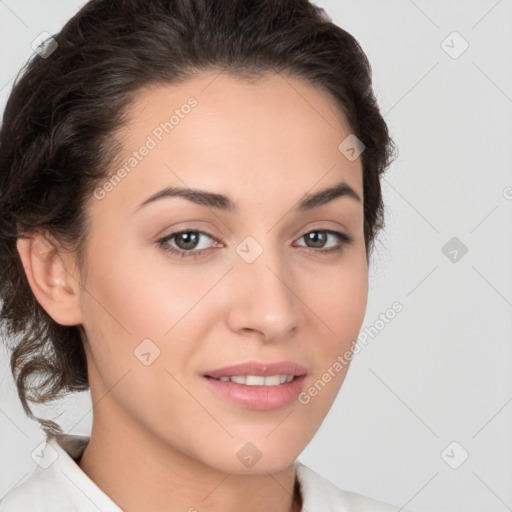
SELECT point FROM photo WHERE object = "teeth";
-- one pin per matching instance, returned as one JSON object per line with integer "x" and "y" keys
{"x": 238, "y": 380}
{"x": 258, "y": 380}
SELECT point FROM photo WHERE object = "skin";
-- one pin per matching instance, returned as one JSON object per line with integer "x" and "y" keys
{"x": 161, "y": 439}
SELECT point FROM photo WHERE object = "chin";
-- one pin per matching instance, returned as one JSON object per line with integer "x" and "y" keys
{"x": 252, "y": 458}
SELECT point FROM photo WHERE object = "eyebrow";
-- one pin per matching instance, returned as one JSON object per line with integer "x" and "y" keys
{"x": 223, "y": 202}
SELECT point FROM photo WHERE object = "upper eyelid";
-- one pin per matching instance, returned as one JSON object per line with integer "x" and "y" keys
{"x": 180, "y": 231}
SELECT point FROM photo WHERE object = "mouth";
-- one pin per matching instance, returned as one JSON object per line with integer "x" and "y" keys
{"x": 256, "y": 380}
{"x": 259, "y": 386}
{"x": 252, "y": 371}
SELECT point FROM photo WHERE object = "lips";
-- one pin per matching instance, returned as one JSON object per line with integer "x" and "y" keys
{"x": 259, "y": 369}
{"x": 242, "y": 384}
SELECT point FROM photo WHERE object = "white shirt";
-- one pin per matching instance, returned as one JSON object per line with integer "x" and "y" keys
{"x": 58, "y": 484}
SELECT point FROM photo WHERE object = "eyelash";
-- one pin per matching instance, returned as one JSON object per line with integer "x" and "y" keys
{"x": 343, "y": 240}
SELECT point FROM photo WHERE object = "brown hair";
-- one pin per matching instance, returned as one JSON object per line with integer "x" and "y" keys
{"x": 56, "y": 140}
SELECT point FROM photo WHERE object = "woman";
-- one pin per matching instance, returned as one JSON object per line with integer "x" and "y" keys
{"x": 190, "y": 193}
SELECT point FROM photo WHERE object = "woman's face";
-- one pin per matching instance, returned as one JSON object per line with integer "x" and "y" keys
{"x": 252, "y": 284}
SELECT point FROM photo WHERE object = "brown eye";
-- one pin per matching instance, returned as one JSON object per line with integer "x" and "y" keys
{"x": 186, "y": 242}
{"x": 317, "y": 239}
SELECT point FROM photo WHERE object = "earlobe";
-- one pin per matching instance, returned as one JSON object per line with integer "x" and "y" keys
{"x": 51, "y": 278}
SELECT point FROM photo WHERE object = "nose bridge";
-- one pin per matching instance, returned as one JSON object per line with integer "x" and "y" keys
{"x": 265, "y": 300}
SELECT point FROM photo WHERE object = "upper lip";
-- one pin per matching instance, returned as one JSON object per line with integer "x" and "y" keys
{"x": 261, "y": 369}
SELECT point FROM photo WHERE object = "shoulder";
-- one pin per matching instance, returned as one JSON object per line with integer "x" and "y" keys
{"x": 33, "y": 494}
{"x": 318, "y": 493}
{"x": 58, "y": 484}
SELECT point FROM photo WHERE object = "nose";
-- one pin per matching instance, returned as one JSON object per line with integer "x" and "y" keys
{"x": 263, "y": 298}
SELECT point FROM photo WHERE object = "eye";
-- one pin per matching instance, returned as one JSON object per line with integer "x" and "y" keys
{"x": 189, "y": 246}
{"x": 340, "y": 240}
{"x": 187, "y": 240}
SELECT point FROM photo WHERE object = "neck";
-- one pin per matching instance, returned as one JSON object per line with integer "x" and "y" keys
{"x": 140, "y": 472}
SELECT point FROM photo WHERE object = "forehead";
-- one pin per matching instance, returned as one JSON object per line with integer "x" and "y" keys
{"x": 219, "y": 131}
{"x": 232, "y": 94}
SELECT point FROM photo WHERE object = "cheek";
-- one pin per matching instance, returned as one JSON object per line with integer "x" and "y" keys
{"x": 338, "y": 301}
{"x": 347, "y": 311}
{"x": 339, "y": 307}
{"x": 338, "y": 297}
{"x": 133, "y": 317}
{"x": 137, "y": 298}
{"x": 129, "y": 302}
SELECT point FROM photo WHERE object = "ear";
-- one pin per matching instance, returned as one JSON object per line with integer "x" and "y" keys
{"x": 52, "y": 277}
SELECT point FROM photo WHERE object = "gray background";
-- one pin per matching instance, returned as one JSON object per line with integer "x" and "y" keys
{"x": 440, "y": 371}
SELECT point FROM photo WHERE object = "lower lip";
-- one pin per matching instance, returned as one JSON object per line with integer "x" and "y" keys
{"x": 261, "y": 398}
